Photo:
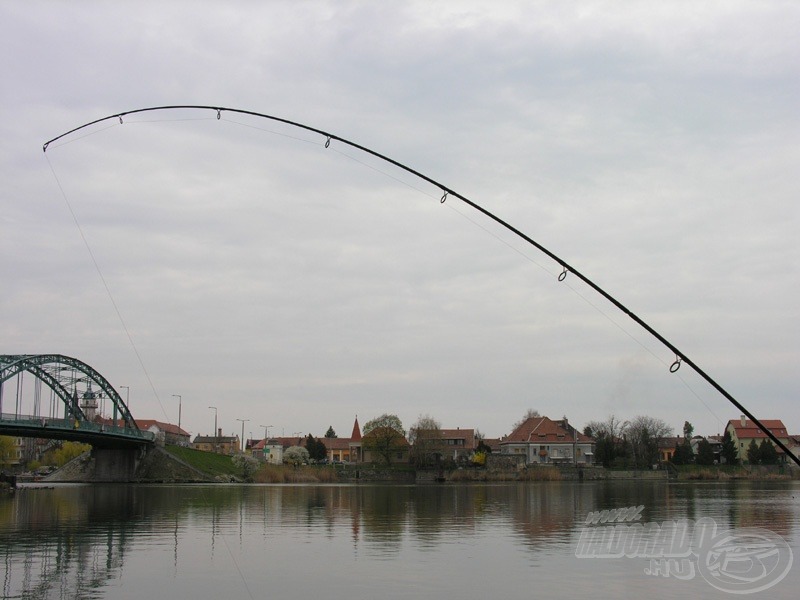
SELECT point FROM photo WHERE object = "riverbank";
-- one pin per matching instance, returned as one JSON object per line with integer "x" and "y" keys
{"x": 725, "y": 473}
{"x": 174, "y": 464}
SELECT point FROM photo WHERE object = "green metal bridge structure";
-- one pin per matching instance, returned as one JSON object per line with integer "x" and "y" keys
{"x": 76, "y": 389}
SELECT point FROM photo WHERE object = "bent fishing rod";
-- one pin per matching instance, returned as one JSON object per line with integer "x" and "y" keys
{"x": 447, "y": 192}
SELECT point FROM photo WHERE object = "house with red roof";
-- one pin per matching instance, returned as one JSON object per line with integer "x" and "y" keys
{"x": 338, "y": 449}
{"x": 173, "y": 434}
{"x": 544, "y": 441}
{"x": 458, "y": 443}
{"x": 270, "y": 450}
{"x": 166, "y": 433}
{"x": 744, "y": 430}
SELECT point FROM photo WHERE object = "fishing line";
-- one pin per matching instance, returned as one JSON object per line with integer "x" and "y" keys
{"x": 129, "y": 336}
{"x": 567, "y": 269}
{"x": 80, "y": 137}
{"x": 106, "y": 286}
{"x": 272, "y": 131}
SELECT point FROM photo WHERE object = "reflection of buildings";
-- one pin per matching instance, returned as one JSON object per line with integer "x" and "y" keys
{"x": 49, "y": 549}
{"x": 76, "y": 542}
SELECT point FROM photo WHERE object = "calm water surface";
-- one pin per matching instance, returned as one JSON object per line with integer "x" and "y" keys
{"x": 362, "y": 541}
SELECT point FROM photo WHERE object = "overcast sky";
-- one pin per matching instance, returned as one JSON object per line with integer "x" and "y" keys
{"x": 242, "y": 265}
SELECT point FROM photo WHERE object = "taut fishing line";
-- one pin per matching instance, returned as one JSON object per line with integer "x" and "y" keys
{"x": 447, "y": 192}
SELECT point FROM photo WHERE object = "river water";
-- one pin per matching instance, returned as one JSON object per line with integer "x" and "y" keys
{"x": 520, "y": 540}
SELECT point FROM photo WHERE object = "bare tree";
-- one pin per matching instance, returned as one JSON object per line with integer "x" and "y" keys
{"x": 612, "y": 428}
{"x": 426, "y": 438}
{"x": 609, "y": 445}
{"x": 643, "y": 433}
{"x": 529, "y": 414}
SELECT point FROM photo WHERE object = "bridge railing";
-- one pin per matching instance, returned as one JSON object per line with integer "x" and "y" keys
{"x": 30, "y": 422}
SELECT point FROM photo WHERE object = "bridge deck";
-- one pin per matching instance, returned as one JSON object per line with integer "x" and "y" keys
{"x": 73, "y": 430}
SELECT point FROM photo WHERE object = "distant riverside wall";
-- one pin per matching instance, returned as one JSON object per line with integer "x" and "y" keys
{"x": 650, "y": 474}
{"x": 520, "y": 472}
{"x": 370, "y": 473}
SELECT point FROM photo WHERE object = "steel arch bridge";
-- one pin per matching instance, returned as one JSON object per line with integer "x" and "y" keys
{"x": 66, "y": 377}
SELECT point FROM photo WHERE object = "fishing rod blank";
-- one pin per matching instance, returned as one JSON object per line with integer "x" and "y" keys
{"x": 680, "y": 357}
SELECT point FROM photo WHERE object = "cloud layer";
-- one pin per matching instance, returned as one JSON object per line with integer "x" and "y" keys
{"x": 652, "y": 147}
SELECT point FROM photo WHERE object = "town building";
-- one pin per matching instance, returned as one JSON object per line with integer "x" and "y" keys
{"x": 269, "y": 451}
{"x": 794, "y": 448}
{"x": 219, "y": 444}
{"x": 715, "y": 441}
{"x": 338, "y": 449}
{"x": 744, "y": 430}
{"x": 458, "y": 443}
{"x": 546, "y": 442}
{"x": 384, "y": 444}
{"x": 667, "y": 447}
{"x": 170, "y": 434}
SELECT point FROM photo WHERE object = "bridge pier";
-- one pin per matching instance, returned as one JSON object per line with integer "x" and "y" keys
{"x": 115, "y": 464}
{"x": 127, "y": 465}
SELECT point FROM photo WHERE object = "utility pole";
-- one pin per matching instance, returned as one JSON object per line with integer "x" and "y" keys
{"x": 178, "y": 396}
{"x": 216, "y": 441}
{"x": 241, "y": 448}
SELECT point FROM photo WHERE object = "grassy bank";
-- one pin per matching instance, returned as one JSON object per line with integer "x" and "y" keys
{"x": 728, "y": 472}
{"x": 287, "y": 474}
{"x": 214, "y": 465}
{"x": 222, "y": 468}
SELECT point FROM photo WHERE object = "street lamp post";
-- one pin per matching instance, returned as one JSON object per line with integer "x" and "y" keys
{"x": 178, "y": 396}
{"x": 241, "y": 449}
{"x": 214, "y": 408}
{"x": 266, "y": 431}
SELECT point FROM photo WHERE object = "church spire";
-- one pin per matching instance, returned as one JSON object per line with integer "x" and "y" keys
{"x": 356, "y": 435}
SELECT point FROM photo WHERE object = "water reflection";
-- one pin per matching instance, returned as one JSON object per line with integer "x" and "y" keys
{"x": 93, "y": 541}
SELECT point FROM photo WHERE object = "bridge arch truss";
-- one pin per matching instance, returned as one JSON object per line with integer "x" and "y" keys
{"x": 67, "y": 377}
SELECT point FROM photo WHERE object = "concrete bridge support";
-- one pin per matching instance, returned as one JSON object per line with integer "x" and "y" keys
{"x": 127, "y": 465}
{"x": 116, "y": 464}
